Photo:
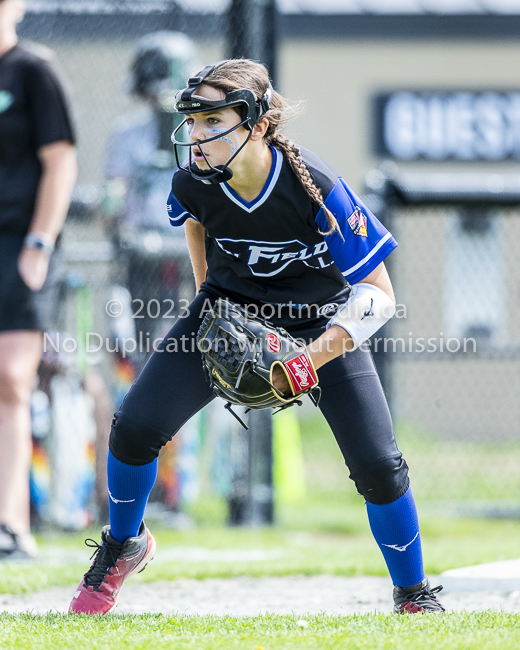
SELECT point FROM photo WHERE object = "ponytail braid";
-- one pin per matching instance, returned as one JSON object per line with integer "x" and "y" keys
{"x": 244, "y": 73}
{"x": 292, "y": 153}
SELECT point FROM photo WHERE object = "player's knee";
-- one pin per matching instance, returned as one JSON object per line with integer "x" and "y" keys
{"x": 15, "y": 384}
{"x": 134, "y": 443}
{"x": 382, "y": 481}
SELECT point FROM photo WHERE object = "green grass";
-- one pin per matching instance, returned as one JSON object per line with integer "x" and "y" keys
{"x": 219, "y": 552}
{"x": 478, "y": 631}
{"x": 440, "y": 469}
{"x": 327, "y": 533}
{"x": 461, "y": 470}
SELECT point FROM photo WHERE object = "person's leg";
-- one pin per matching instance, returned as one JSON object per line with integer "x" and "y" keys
{"x": 355, "y": 407}
{"x": 20, "y": 354}
{"x": 96, "y": 387}
{"x": 170, "y": 389}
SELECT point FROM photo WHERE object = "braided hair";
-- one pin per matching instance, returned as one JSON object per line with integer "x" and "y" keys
{"x": 244, "y": 73}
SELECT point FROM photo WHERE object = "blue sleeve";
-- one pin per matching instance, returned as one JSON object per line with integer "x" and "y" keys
{"x": 366, "y": 241}
{"x": 176, "y": 213}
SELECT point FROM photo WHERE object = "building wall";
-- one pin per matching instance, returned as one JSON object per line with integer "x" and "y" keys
{"x": 462, "y": 396}
{"x": 337, "y": 78}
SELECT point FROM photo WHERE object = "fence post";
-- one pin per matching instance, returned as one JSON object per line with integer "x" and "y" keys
{"x": 252, "y": 33}
{"x": 377, "y": 188}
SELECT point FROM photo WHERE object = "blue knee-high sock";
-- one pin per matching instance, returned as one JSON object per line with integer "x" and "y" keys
{"x": 395, "y": 527}
{"x": 128, "y": 489}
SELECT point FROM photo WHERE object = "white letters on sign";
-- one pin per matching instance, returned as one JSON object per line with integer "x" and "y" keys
{"x": 465, "y": 126}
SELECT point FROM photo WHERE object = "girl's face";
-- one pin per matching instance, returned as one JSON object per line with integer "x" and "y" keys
{"x": 209, "y": 124}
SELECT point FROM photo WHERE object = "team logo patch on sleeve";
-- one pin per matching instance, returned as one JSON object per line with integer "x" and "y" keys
{"x": 358, "y": 222}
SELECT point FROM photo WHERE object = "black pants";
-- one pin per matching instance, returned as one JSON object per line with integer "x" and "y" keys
{"x": 172, "y": 387}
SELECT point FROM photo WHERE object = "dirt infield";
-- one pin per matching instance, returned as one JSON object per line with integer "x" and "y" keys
{"x": 254, "y": 596}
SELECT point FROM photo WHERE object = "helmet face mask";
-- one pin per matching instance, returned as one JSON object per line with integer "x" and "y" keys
{"x": 215, "y": 174}
{"x": 187, "y": 103}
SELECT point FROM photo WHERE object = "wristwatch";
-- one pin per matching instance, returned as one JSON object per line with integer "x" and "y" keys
{"x": 39, "y": 242}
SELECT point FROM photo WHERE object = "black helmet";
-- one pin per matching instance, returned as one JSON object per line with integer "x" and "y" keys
{"x": 162, "y": 62}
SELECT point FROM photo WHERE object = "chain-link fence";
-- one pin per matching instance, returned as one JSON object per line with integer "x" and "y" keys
{"x": 128, "y": 274}
{"x": 452, "y": 379}
{"x": 451, "y": 356}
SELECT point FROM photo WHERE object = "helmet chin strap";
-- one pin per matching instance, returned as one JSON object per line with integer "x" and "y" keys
{"x": 222, "y": 175}
{"x": 215, "y": 174}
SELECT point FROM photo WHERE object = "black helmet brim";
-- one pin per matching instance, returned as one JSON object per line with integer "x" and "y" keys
{"x": 236, "y": 98}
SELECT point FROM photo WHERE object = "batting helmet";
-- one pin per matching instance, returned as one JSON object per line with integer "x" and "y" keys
{"x": 162, "y": 62}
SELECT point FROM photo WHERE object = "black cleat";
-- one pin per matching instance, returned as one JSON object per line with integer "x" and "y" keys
{"x": 12, "y": 546}
{"x": 417, "y": 599}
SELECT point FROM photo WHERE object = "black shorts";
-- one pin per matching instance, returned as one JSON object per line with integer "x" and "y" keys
{"x": 20, "y": 307}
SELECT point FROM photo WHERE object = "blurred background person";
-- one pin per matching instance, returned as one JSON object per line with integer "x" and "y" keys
{"x": 140, "y": 152}
{"x": 37, "y": 173}
{"x": 138, "y": 170}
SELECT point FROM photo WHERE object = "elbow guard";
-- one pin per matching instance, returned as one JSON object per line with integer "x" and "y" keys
{"x": 367, "y": 309}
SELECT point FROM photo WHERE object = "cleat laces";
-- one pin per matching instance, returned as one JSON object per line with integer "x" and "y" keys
{"x": 105, "y": 557}
{"x": 425, "y": 597}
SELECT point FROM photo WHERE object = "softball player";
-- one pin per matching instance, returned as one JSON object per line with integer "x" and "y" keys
{"x": 273, "y": 227}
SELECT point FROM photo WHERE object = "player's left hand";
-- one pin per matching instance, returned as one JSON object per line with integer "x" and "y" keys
{"x": 33, "y": 265}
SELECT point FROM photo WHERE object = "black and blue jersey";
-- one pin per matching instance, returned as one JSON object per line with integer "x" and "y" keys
{"x": 271, "y": 249}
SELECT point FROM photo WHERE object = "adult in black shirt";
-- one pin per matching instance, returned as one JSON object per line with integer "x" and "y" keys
{"x": 37, "y": 173}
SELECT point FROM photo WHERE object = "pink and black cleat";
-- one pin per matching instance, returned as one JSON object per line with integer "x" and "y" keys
{"x": 417, "y": 599}
{"x": 98, "y": 592}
